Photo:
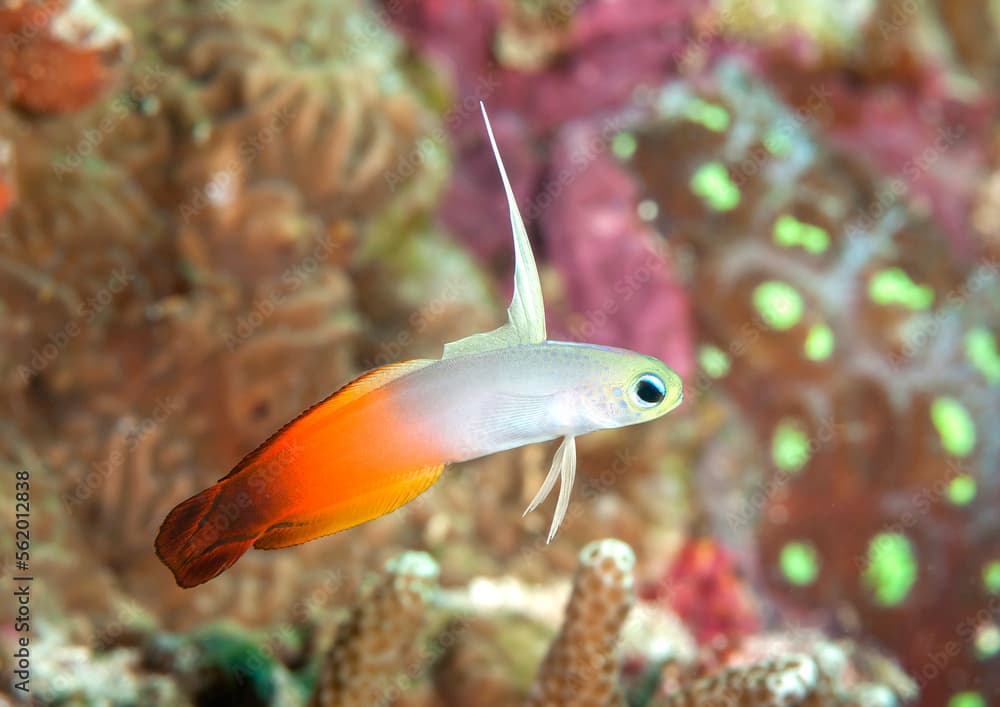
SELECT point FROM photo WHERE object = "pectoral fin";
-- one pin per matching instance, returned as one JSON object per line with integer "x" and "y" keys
{"x": 564, "y": 468}
{"x": 526, "y": 313}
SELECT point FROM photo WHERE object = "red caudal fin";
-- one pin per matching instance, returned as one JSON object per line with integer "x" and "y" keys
{"x": 197, "y": 542}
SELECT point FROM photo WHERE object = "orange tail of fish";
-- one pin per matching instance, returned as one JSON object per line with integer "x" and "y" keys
{"x": 197, "y": 543}
{"x": 321, "y": 473}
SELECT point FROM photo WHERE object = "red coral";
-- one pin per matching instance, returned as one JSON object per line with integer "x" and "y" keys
{"x": 705, "y": 587}
{"x": 59, "y": 55}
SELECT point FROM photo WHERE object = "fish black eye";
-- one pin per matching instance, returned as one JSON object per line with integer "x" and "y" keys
{"x": 650, "y": 390}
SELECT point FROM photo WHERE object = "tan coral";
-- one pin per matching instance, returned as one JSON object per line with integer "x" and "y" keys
{"x": 986, "y": 214}
{"x": 238, "y": 308}
{"x": 581, "y": 667}
{"x": 475, "y": 668}
{"x": 8, "y": 191}
{"x": 787, "y": 678}
{"x": 376, "y": 646}
{"x": 790, "y": 680}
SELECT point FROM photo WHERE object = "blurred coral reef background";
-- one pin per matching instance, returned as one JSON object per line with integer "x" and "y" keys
{"x": 212, "y": 214}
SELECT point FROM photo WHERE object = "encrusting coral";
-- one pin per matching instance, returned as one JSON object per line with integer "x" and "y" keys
{"x": 864, "y": 353}
{"x": 791, "y": 680}
{"x": 704, "y": 585}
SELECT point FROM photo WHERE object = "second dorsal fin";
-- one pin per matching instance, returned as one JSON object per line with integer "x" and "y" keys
{"x": 363, "y": 384}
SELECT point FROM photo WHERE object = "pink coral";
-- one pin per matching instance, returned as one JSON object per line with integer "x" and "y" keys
{"x": 583, "y": 64}
{"x": 618, "y": 272}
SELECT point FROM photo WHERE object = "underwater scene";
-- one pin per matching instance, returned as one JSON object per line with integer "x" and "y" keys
{"x": 306, "y": 306}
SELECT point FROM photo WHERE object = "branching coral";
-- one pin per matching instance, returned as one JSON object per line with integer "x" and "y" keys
{"x": 375, "y": 652}
{"x": 407, "y": 642}
{"x": 582, "y": 666}
{"x": 863, "y": 352}
{"x": 366, "y": 664}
